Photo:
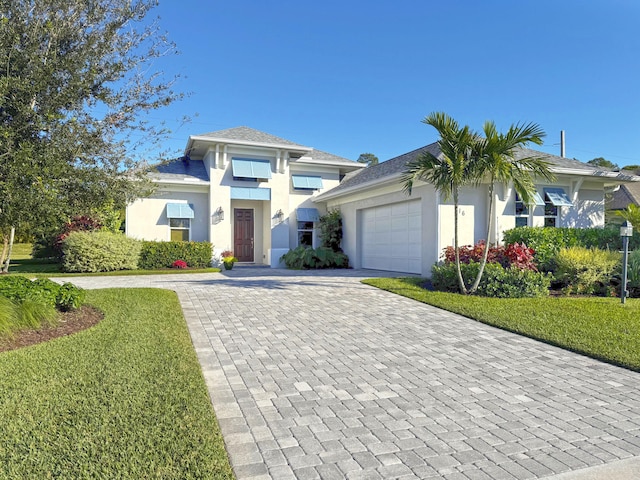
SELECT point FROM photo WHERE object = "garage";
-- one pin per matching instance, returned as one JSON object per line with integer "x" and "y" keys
{"x": 391, "y": 237}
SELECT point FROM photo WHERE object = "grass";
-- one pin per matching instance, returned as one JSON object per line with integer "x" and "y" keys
{"x": 124, "y": 399}
{"x": 22, "y": 263}
{"x": 601, "y": 328}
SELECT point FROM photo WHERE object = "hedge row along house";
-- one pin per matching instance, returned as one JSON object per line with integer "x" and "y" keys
{"x": 260, "y": 195}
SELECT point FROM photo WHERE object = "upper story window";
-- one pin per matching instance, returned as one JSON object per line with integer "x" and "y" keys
{"x": 307, "y": 182}
{"x": 251, "y": 170}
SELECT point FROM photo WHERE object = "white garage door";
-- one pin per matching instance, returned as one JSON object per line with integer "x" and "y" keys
{"x": 392, "y": 237}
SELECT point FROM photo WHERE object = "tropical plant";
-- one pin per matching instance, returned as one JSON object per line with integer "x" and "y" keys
{"x": 447, "y": 172}
{"x": 331, "y": 230}
{"x": 631, "y": 214}
{"x": 499, "y": 160}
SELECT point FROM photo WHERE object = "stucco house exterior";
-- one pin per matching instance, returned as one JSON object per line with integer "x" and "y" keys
{"x": 260, "y": 195}
{"x": 242, "y": 190}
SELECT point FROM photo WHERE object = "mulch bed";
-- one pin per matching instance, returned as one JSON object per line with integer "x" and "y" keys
{"x": 69, "y": 323}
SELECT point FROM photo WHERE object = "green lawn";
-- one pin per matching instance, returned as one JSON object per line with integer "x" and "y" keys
{"x": 124, "y": 399}
{"x": 601, "y": 328}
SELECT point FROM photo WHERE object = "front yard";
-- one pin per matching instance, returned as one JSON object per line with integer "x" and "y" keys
{"x": 124, "y": 399}
{"x": 599, "y": 327}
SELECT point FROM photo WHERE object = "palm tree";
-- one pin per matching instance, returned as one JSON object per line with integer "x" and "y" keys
{"x": 448, "y": 171}
{"x": 496, "y": 158}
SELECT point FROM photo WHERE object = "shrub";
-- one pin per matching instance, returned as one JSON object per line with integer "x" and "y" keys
{"x": 99, "y": 252}
{"x": 19, "y": 289}
{"x": 331, "y": 230}
{"x": 497, "y": 281}
{"x": 307, "y": 258}
{"x": 8, "y": 316}
{"x": 547, "y": 241}
{"x": 585, "y": 270}
{"x": 70, "y": 297}
{"x": 154, "y": 255}
{"x": 633, "y": 274}
{"x": 33, "y": 312}
{"x": 516, "y": 254}
{"x": 179, "y": 264}
{"x": 51, "y": 244}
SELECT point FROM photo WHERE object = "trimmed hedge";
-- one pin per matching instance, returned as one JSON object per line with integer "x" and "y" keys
{"x": 496, "y": 281}
{"x": 547, "y": 241}
{"x": 99, "y": 251}
{"x": 154, "y": 255}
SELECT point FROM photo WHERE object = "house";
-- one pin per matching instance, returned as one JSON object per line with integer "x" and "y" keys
{"x": 385, "y": 228}
{"x": 242, "y": 190}
{"x": 621, "y": 197}
{"x": 259, "y": 196}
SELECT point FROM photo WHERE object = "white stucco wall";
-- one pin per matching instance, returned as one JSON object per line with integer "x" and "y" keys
{"x": 147, "y": 217}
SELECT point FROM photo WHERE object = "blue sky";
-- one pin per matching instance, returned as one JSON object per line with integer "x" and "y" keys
{"x": 355, "y": 76}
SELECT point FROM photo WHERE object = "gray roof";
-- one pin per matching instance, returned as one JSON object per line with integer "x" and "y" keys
{"x": 179, "y": 169}
{"x": 318, "y": 156}
{"x": 398, "y": 164}
{"x": 246, "y": 134}
{"x": 626, "y": 194}
{"x": 385, "y": 169}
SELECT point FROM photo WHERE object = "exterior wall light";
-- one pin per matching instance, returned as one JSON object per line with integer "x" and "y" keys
{"x": 626, "y": 232}
{"x": 280, "y": 216}
{"x": 217, "y": 216}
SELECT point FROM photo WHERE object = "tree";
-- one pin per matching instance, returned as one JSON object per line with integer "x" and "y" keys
{"x": 76, "y": 82}
{"x": 603, "y": 162}
{"x": 447, "y": 172}
{"x": 497, "y": 160}
{"x": 368, "y": 158}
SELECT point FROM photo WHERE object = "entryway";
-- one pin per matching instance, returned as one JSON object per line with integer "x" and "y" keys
{"x": 243, "y": 230}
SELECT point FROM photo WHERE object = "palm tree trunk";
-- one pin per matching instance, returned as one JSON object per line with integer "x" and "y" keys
{"x": 485, "y": 254}
{"x": 463, "y": 287}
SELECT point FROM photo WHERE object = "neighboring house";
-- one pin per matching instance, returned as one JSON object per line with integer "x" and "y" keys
{"x": 384, "y": 228}
{"x": 242, "y": 190}
{"x": 621, "y": 197}
{"x": 260, "y": 195}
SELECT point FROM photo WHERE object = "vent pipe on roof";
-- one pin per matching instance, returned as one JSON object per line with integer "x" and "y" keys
{"x": 562, "y": 143}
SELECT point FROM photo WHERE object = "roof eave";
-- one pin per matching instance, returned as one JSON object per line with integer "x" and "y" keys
{"x": 351, "y": 165}
{"x": 295, "y": 148}
{"x": 378, "y": 182}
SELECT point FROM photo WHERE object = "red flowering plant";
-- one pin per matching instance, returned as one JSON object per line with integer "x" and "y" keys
{"x": 516, "y": 254}
{"x": 179, "y": 264}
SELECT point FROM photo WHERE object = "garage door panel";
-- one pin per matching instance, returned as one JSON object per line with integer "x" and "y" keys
{"x": 391, "y": 237}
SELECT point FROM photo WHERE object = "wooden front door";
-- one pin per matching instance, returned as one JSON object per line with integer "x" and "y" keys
{"x": 243, "y": 234}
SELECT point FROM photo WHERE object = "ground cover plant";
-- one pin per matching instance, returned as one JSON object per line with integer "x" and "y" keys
{"x": 599, "y": 327}
{"x": 124, "y": 399}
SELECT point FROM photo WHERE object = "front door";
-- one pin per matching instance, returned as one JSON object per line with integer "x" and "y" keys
{"x": 243, "y": 234}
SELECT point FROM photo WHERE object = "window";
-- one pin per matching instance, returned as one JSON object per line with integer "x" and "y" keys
{"x": 550, "y": 214}
{"x": 305, "y": 234}
{"x": 522, "y": 212}
{"x": 554, "y": 199}
{"x": 250, "y": 170}
{"x": 306, "y": 182}
{"x": 180, "y": 229}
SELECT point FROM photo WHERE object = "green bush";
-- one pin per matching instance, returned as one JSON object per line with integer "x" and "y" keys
{"x": 633, "y": 274}
{"x": 33, "y": 312}
{"x": 322, "y": 257}
{"x": 547, "y": 241}
{"x": 8, "y": 316}
{"x": 585, "y": 270}
{"x": 155, "y": 255}
{"x": 99, "y": 251}
{"x": 63, "y": 297}
{"x": 496, "y": 280}
{"x": 331, "y": 230}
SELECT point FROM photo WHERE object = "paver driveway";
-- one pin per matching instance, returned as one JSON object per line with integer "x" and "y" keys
{"x": 318, "y": 376}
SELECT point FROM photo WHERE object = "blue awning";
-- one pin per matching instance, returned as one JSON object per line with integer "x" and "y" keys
{"x": 250, "y": 168}
{"x": 179, "y": 210}
{"x": 247, "y": 193}
{"x": 537, "y": 199}
{"x": 307, "y": 182}
{"x": 558, "y": 197}
{"x": 307, "y": 214}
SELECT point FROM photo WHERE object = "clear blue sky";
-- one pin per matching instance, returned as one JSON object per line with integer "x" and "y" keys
{"x": 354, "y": 76}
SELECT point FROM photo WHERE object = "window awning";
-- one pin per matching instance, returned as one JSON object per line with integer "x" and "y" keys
{"x": 179, "y": 210}
{"x": 250, "y": 168}
{"x": 558, "y": 197}
{"x": 537, "y": 200}
{"x": 307, "y": 214}
{"x": 307, "y": 182}
{"x": 247, "y": 193}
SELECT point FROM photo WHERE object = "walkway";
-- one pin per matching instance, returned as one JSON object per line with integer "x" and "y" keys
{"x": 315, "y": 375}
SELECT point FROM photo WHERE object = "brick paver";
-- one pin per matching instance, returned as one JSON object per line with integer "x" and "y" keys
{"x": 315, "y": 375}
